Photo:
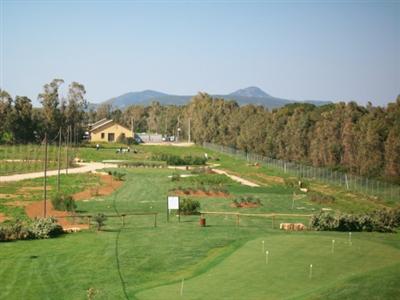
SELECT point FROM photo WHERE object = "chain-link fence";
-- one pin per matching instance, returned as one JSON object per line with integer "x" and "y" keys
{"x": 380, "y": 189}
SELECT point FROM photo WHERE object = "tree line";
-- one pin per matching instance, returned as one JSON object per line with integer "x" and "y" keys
{"x": 22, "y": 123}
{"x": 363, "y": 140}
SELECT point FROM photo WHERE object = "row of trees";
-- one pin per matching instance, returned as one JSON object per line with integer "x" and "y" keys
{"x": 357, "y": 139}
{"x": 22, "y": 123}
{"x": 347, "y": 137}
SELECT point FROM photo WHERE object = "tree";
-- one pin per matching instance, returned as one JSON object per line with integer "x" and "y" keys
{"x": 23, "y": 126}
{"x": 5, "y": 111}
{"x": 52, "y": 117}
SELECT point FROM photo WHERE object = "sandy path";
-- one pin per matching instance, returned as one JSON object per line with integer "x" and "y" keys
{"x": 236, "y": 178}
{"x": 83, "y": 168}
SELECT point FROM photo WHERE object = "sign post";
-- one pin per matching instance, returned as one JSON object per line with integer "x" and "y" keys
{"x": 173, "y": 203}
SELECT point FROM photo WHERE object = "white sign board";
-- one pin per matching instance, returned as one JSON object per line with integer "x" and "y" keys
{"x": 173, "y": 202}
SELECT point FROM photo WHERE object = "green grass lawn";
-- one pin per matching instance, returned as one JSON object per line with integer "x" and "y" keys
{"x": 220, "y": 261}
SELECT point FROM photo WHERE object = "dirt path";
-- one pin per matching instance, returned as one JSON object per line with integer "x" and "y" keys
{"x": 83, "y": 168}
{"x": 236, "y": 178}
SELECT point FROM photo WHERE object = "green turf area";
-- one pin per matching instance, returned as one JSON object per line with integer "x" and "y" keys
{"x": 221, "y": 261}
{"x": 32, "y": 190}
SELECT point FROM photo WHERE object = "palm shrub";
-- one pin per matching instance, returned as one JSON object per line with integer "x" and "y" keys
{"x": 100, "y": 220}
{"x": 189, "y": 206}
{"x": 63, "y": 202}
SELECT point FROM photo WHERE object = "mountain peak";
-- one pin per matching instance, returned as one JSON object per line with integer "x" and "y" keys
{"x": 251, "y": 91}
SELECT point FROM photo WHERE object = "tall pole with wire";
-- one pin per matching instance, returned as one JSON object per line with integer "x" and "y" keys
{"x": 59, "y": 160}
{"x": 45, "y": 175}
{"x": 66, "y": 150}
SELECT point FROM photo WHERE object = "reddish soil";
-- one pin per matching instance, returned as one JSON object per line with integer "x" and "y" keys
{"x": 3, "y": 217}
{"x": 17, "y": 203}
{"x": 245, "y": 205}
{"x": 200, "y": 193}
{"x": 108, "y": 186}
{"x": 35, "y": 210}
{"x": 65, "y": 219}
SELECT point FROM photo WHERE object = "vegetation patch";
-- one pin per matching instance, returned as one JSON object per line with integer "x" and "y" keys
{"x": 189, "y": 206}
{"x": 321, "y": 198}
{"x": 202, "y": 191}
{"x": 246, "y": 202}
{"x": 384, "y": 220}
{"x": 175, "y": 160}
{"x": 41, "y": 228}
{"x": 144, "y": 164}
{"x": 63, "y": 202}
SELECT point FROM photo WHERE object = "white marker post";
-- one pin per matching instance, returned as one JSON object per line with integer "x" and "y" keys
{"x": 350, "y": 242}
{"x": 310, "y": 274}
{"x": 266, "y": 257}
{"x": 263, "y": 246}
{"x": 183, "y": 281}
{"x": 333, "y": 246}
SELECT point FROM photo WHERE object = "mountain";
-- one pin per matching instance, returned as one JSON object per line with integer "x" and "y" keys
{"x": 250, "y": 95}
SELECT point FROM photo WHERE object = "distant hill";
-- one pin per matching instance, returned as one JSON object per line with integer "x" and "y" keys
{"x": 250, "y": 95}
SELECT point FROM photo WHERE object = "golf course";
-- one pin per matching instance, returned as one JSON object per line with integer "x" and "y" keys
{"x": 138, "y": 254}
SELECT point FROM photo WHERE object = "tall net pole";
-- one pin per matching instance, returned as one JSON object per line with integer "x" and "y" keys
{"x": 45, "y": 175}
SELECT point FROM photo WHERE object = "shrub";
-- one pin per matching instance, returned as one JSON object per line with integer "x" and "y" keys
{"x": 175, "y": 177}
{"x": 385, "y": 220}
{"x": 121, "y": 139}
{"x": 100, "y": 220}
{"x": 63, "y": 202}
{"x": 321, "y": 198}
{"x": 44, "y": 228}
{"x": 174, "y": 160}
{"x": 118, "y": 176}
{"x": 189, "y": 207}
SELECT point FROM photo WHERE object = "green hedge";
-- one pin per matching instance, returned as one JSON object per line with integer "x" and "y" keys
{"x": 385, "y": 220}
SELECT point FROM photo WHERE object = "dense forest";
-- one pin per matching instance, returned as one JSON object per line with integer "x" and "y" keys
{"x": 345, "y": 136}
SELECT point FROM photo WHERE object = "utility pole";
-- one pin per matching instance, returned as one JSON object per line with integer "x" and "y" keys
{"x": 45, "y": 175}
{"x": 59, "y": 160}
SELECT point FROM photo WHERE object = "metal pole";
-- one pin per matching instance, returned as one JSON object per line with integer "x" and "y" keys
{"x": 45, "y": 175}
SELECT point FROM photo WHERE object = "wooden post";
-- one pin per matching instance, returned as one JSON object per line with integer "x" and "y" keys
{"x": 238, "y": 220}
{"x": 155, "y": 220}
{"x": 89, "y": 221}
{"x": 45, "y": 176}
{"x": 123, "y": 220}
{"x": 273, "y": 222}
{"x": 59, "y": 161}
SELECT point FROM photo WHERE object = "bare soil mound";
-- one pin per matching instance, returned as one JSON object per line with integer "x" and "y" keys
{"x": 200, "y": 193}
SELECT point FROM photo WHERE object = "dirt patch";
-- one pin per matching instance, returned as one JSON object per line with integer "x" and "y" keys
{"x": 33, "y": 188}
{"x": 64, "y": 218}
{"x": 270, "y": 179}
{"x": 107, "y": 187}
{"x": 4, "y": 196}
{"x": 17, "y": 203}
{"x": 245, "y": 205}
{"x": 3, "y": 217}
{"x": 200, "y": 193}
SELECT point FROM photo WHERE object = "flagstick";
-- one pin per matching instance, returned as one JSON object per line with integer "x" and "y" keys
{"x": 183, "y": 281}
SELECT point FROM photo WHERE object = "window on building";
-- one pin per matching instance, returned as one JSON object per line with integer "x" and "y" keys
{"x": 102, "y": 135}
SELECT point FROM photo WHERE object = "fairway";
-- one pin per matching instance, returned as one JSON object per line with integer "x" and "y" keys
{"x": 221, "y": 261}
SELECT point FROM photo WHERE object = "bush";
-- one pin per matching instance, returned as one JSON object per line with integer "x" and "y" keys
{"x": 63, "y": 202}
{"x": 100, "y": 220}
{"x": 385, "y": 220}
{"x": 174, "y": 160}
{"x": 118, "y": 176}
{"x": 321, "y": 198}
{"x": 44, "y": 228}
{"x": 175, "y": 177}
{"x": 189, "y": 206}
{"x": 121, "y": 139}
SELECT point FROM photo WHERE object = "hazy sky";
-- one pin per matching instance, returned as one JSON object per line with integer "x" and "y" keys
{"x": 297, "y": 50}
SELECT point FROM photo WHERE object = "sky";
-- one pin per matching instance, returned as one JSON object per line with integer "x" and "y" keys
{"x": 331, "y": 50}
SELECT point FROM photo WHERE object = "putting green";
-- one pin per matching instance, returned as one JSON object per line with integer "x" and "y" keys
{"x": 246, "y": 275}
